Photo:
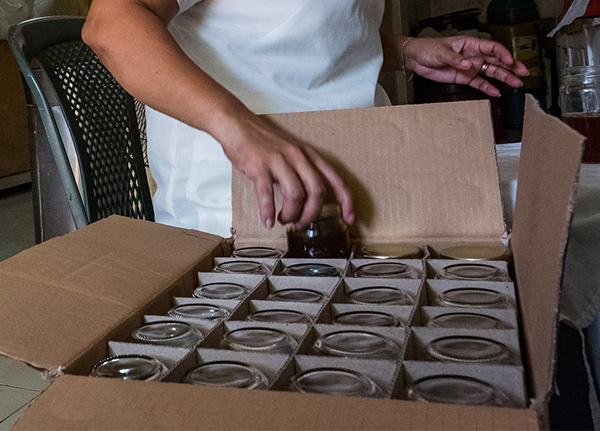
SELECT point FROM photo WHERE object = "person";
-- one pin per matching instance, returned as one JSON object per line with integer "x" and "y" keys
{"x": 206, "y": 69}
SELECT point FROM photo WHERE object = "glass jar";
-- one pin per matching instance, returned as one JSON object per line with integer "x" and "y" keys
{"x": 130, "y": 367}
{"x": 579, "y": 97}
{"x": 327, "y": 237}
{"x": 257, "y": 253}
{"x": 199, "y": 311}
{"x": 382, "y": 295}
{"x": 259, "y": 339}
{"x": 297, "y": 295}
{"x": 476, "y": 252}
{"x": 357, "y": 344}
{"x": 472, "y": 272}
{"x": 280, "y": 316}
{"x": 220, "y": 291}
{"x": 472, "y": 297}
{"x": 335, "y": 381}
{"x": 386, "y": 270}
{"x": 456, "y": 389}
{"x": 389, "y": 251}
{"x": 465, "y": 321}
{"x": 367, "y": 318}
{"x": 311, "y": 270}
{"x": 467, "y": 350}
{"x": 241, "y": 267}
{"x": 229, "y": 374}
{"x": 170, "y": 333}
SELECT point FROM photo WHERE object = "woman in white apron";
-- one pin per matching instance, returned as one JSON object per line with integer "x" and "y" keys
{"x": 220, "y": 62}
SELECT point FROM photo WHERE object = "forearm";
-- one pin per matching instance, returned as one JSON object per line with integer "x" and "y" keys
{"x": 132, "y": 40}
{"x": 392, "y": 45}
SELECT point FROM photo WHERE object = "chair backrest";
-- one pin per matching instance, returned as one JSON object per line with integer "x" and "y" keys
{"x": 108, "y": 174}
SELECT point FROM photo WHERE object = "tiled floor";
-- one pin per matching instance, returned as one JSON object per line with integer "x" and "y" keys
{"x": 19, "y": 384}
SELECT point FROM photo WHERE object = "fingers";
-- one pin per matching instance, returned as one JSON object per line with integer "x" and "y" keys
{"x": 500, "y": 74}
{"x": 481, "y": 84}
{"x": 304, "y": 179}
{"x": 341, "y": 192}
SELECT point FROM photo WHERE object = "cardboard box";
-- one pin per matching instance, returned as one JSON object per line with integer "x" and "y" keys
{"x": 422, "y": 174}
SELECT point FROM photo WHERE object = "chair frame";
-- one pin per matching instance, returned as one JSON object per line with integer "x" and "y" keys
{"x": 26, "y": 44}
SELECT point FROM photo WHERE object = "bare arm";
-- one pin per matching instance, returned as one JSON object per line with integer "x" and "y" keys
{"x": 132, "y": 40}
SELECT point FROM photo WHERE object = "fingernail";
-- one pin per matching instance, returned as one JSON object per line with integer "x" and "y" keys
{"x": 350, "y": 218}
{"x": 269, "y": 223}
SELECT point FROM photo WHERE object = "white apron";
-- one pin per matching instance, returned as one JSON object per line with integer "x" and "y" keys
{"x": 275, "y": 56}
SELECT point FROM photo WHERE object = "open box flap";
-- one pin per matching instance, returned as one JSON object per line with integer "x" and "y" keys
{"x": 426, "y": 171}
{"x": 548, "y": 175}
{"x": 60, "y": 297}
{"x": 87, "y": 403}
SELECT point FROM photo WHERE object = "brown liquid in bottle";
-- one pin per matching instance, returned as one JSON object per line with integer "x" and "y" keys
{"x": 589, "y": 126}
{"x": 328, "y": 237}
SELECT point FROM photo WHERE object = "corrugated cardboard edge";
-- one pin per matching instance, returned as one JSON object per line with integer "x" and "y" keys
{"x": 24, "y": 342}
{"x": 87, "y": 403}
{"x": 548, "y": 178}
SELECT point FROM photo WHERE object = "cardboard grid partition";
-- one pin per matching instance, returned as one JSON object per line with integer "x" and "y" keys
{"x": 392, "y": 374}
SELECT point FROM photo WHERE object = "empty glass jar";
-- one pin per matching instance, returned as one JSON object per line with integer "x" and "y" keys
{"x": 229, "y": 374}
{"x": 383, "y": 295}
{"x": 280, "y": 316}
{"x": 472, "y": 272}
{"x": 468, "y": 349}
{"x": 199, "y": 311}
{"x": 335, "y": 381}
{"x": 297, "y": 295}
{"x": 389, "y": 251}
{"x": 220, "y": 291}
{"x": 456, "y": 389}
{"x": 311, "y": 270}
{"x": 465, "y": 321}
{"x": 171, "y": 333}
{"x": 257, "y": 253}
{"x": 357, "y": 344}
{"x": 367, "y": 318}
{"x": 241, "y": 267}
{"x": 386, "y": 270}
{"x": 130, "y": 367}
{"x": 472, "y": 297}
{"x": 476, "y": 252}
{"x": 259, "y": 339}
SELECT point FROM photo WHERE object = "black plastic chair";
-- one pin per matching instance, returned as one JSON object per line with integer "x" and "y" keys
{"x": 92, "y": 129}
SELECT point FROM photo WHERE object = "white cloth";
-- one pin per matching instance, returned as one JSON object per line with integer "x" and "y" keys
{"x": 275, "y": 56}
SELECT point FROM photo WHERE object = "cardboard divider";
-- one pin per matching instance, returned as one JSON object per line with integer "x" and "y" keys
{"x": 507, "y": 317}
{"x": 172, "y": 357}
{"x": 421, "y": 337}
{"x": 271, "y": 365}
{"x": 508, "y": 379}
{"x": 434, "y": 287}
{"x": 436, "y": 247}
{"x": 434, "y": 266}
{"x": 383, "y": 373}
{"x": 415, "y": 264}
{"x": 397, "y": 335}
